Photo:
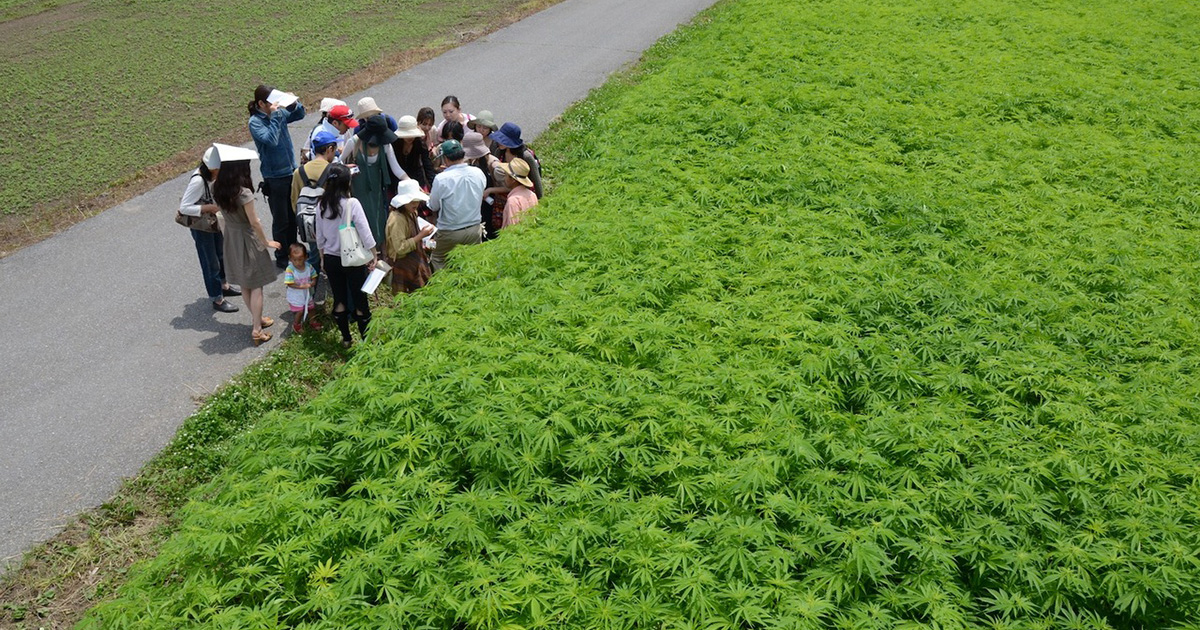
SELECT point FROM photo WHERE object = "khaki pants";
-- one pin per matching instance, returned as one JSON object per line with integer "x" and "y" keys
{"x": 449, "y": 239}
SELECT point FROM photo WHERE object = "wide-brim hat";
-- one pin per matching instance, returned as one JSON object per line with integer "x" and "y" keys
{"x": 376, "y": 131}
{"x": 329, "y": 103}
{"x": 517, "y": 169}
{"x": 367, "y": 107}
{"x": 408, "y": 191}
{"x": 508, "y": 136}
{"x": 407, "y": 127}
{"x": 473, "y": 145}
{"x": 485, "y": 119}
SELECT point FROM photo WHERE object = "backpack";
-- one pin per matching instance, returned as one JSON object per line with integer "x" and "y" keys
{"x": 306, "y": 205}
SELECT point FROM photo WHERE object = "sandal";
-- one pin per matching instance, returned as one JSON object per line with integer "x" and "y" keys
{"x": 260, "y": 337}
{"x": 267, "y": 322}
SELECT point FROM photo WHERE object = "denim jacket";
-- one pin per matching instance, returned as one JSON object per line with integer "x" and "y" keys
{"x": 273, "y": 141}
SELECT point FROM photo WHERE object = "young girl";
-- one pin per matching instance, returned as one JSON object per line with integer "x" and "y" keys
{"x": 338, "y": 208}
{"x": 300, "y": 278}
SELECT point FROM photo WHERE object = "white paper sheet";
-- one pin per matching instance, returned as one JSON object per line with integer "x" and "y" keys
{"x": 428, "y": 242}
{"x": 376, "y": 277}
{"x": 373, "y": 281}
{"x": 283, "y": 99}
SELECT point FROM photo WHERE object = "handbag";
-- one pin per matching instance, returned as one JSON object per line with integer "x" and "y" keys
{"x": 353, "y": 252}
{"x": 204, "y": 222}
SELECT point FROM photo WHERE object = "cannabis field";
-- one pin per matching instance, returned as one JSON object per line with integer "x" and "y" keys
{"x": 842, "y": 314}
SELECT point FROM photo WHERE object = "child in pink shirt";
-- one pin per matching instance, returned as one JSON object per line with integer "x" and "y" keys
{"x": 300, "y": 278}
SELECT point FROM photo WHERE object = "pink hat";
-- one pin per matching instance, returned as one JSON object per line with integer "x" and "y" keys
{"x": 473, "y": 145}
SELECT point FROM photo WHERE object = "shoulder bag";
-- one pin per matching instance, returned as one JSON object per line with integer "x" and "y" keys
{"x": 204, "y": 222}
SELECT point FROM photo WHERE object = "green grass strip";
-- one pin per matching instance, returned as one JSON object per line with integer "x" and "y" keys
{"x": 56, "y": 582}
{"x": 843, "y": 314}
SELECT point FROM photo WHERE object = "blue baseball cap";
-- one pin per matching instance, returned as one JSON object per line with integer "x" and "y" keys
{"x": 323, "y": 139}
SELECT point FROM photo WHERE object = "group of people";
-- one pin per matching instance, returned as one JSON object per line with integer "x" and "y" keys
{"x": 410, "y": 188}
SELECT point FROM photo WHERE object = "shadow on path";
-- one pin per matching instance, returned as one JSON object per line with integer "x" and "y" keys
{"x": 230, "y": 338}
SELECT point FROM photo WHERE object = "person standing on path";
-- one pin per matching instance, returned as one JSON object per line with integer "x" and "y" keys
{"x": 451, "y": 112}
{"x": 412, "y": 152}
{"x": 269, "y": 128}
{"x": 374, "y": 177}
{"x": 247, "y": 250}
{"x": 197, "y": 200}
{"x": 484, "y": 124}
{"x": 477, "y": 155}
{"x": 455, "y": 199}
{"x": 339, "y": 120}
{"x": 325, "y": 147}
{"x": 338, "y": 208}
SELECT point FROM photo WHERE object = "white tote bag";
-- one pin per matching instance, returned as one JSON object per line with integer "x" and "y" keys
{"x": 353, "y": 252}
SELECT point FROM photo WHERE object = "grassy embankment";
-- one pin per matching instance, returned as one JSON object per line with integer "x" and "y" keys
{"x": 58, "y": 581}
{"x": 111, "y": 97}
{"x": 845, "y": 314}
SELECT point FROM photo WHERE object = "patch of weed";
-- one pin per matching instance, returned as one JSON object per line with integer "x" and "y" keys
{"x": 852, "y": 314}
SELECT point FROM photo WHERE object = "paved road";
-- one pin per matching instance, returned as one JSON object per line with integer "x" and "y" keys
{"x": 107, "y": 338}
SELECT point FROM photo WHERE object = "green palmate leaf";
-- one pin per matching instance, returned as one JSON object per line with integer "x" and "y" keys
{"x": 892, "y": 329}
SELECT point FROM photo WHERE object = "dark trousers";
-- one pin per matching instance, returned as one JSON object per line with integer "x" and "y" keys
{"x": 283, "y": 218}
{"x": 314, "y": 259}
{"x": 210, "y": 249}
{"x": 345, "y": 283}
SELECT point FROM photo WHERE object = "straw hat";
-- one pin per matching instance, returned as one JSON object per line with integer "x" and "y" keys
{"x": 517, "y": 169}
